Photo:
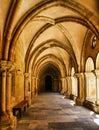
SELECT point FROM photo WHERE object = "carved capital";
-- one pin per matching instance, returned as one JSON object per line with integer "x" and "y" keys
{"x": 79, "y": 74}
{"x": 68, "y": 77}
{"x": 6, "y": 65}
{"x": 96, "y": 72}
{"x": 26, "y": 75}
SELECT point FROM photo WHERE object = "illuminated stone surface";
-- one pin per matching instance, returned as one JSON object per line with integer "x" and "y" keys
{"x": 49, "y": 111}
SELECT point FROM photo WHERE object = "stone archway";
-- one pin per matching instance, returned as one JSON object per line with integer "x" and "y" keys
{"x": 90, "y": 80}
{"x": 97, "y": 61}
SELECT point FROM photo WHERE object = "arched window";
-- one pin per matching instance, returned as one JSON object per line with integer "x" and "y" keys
{"x": 90, "y": 80}
{"x": 74, "y": 82}
{"x": 89, "y": 65}
{"x": 97, "y": 62}
{"x": 72, "y": 71}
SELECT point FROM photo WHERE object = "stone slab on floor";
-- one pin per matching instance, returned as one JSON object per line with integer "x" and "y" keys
{"x": 50, "y": 111}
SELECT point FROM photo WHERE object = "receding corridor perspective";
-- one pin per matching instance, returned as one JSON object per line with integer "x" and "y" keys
{"x": 50, "y": 111}
{"x": 49, "y": 46}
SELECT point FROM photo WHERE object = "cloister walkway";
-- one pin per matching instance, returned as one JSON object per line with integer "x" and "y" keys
{"x": 50, "y": 111}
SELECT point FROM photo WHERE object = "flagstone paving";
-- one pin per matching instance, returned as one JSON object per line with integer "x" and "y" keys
{"x": 50, "y": 111}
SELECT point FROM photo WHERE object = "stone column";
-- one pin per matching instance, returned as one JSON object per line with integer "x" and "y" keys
{"x": 5, "y": 94}
{"x": 32, "y": 90}
{"x": 9, "y": 110}
{"x": 96, "y": 72}
{"x": 69, "y": 87}
{"x": 63, "y": 90}
{"x": 27, "y": 89}
{"x": 36, "y": 87}
{"x": 3, "y": 69}
{"x": 26, "y": 77}
{"x": 81, "y": 88}
{"x": 55, "y": 85}
{"x": 8, "y": 88}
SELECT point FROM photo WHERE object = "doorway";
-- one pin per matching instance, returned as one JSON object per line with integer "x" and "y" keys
{"x": 48, "y": 83}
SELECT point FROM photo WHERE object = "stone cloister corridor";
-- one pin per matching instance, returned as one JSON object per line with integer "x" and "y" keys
{"x": 50, "y": 111}
{"x": 49, "y": 46}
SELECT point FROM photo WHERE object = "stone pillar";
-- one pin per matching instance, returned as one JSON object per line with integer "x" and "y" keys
{"x": 32, "y": 89}
{"x": 81, "y": 88}
{"x": 36, "y": 87}
{"x": 5, "y": 97}
{"x": 55, "y": 85}
{"x": 26, "y": 78}
{"x": 96, "y": 72}
{"x": 69, "y": 87}
{"x": 8, "y": 94}
{"x": 62, "y": 87}
{"x": 63, "y": 90}
{"x": 9, "y": 110}
{"x": 27, "y": 89}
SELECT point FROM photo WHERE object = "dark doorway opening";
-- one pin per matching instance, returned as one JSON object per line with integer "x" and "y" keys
{"x": 48, "y": 83}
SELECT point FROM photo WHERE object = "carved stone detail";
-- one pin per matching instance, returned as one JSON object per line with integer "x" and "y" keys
{"x": 6, "y": 65}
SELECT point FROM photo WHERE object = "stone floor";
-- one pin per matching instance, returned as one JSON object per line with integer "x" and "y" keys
{"x": 50, "y": 111}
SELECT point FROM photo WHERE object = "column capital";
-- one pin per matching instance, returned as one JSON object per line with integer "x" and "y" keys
{"x": 68, "y": 76}
{"x": 78, "y": 74}
{"x": 96, "y": 72}
{"x": 6, "y": 65}
{"x": 63, "y": 77}
{"x": 26, "y": 74}
{"x": 33, "y": 77}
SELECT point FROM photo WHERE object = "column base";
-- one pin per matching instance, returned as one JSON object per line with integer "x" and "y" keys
{"x": 97, "y": 103}
{"x": 36, "y": 94}
{"x": 73, "y": 97}
{"x": 3, "y": 117}
{"x": 7, "y": 123}
{"x": 79, "y": 101}
{"x": 32, "y": 94}
{"x": 62, "y": 92}
{"x": 13, "y": 122}
{"x": 66, "y": 95}
{"x": 4, "y": 126}
{"x": 92, "y": 106}
{"x": 12, "y": 118}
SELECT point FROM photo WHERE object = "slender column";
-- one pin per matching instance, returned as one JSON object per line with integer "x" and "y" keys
{"x": 36, "y": 86}
{"x": 81, "y": 88}
{"x": 26, "y": 76}
{"x": 3, "y": 69}
{"x": 55, "y": 85}
{"x": 69, "y": 88}
{"x": 7, "y": 120}
{"x": 8, "y": 88}
{"x": 63, "y": 90}
{"x": 3, "y": 94}
{"x": 97, "y": 86}
{"x": 32, "y": 89}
